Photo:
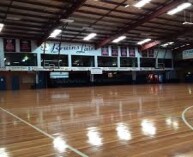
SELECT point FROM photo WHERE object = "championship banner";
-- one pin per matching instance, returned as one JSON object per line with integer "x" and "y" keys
{"x": 105, "y": 51}
{"x": 123, "y": 51}
{"x": 9, "y": 45}
{"x": 114, "y": 50}
{"x": 151, "y": 53}
{"x": 144, "y": 53}
{"x": 131, "y": 51}
{"x": 25, "y": 45}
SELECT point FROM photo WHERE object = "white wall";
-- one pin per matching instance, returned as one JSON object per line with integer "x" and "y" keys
{"x": 1, "y": 53}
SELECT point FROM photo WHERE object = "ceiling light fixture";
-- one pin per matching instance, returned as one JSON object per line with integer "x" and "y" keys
{"x": 67, "y": 20}
{"x": 141, "y": 3}
{"x": 187, "y": 23}
{"x": 55, "y": 33}
{"x": 119, "y": 39}
{"x": 179, "y": 8}
{"x": 167, "y": 44}
{"x": 143, "y": 41}
{"x": 127, "y": 5}
{"x": 90, "y": 36}
{"x": 88, "y": 29}
{"x": 1, "y": 26}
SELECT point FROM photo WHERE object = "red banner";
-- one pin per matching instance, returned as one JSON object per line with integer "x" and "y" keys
{"x": 25, "y": 45}
{"x": 123, "y": 51}
{"x": 132, "y": 52}
{"x": 105, "y": 51}
{"x": 144, "y": 53}
{"x": 114, "y": 50}
{"x": 151, "y": 53}
{"x": 9, "y": 45}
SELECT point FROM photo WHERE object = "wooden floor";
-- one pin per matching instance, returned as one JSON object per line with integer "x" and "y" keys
{"x": 112, "y": 121}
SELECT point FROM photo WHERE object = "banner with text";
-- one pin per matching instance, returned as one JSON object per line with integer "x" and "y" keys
{"x": 9, "y": 45}
{"x": 105, "y": 51}
{"x": 151, "y": 53}
{"x": 25, "y": 45}
{"x": 114, "y": 50}
{"x": 123, "y": 51}
{"x": 131, "y": 51}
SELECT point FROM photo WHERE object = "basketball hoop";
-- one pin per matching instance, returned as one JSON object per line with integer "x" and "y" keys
{"x": 51, "y": 64}
{"x": 160, "y": 66}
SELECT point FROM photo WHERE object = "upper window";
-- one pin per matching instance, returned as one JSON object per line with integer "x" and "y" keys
{"x": 54, "y": 60}
{"x": 128, "y": 62}
{"x": 82, "y": 61}
{"x": 20, "y": 59}
{"x": 147, "y": 62}
{"x": 107, "y": 61}
{"x": 166, "y": 62}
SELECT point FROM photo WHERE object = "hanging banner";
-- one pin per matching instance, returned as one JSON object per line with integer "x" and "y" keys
{"x": 105, "y": 51}
{"x": 123, "y": 51}
{"x": 151, "y": 53}
{"x": 25, "y": 45}
{"x": 9, "y": 45}
{"x": 114, "y": 50}
{"x": 132, "y": 52}
{"x": 144, "y": 53}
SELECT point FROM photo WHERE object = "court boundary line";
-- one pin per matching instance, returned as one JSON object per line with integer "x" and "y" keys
{"x": 43, "y": 132}
{"x": 184, "y": 118}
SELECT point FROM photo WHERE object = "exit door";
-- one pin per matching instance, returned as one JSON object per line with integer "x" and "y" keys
{"x": 2, "y": 83}
{"x": 15, "y": 82}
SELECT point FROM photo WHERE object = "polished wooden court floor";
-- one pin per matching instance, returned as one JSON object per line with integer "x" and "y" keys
{"x": 108, "y": 121}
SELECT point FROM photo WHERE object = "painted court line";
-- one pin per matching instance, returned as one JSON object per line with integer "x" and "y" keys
{"x": 46, "y": 134}
{"x": 184, "y": 118}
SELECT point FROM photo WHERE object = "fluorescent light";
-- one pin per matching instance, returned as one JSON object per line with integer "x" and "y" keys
{"x": 187, "y": 23}
{"x": 1, "y": 26}
{"x": 67, "y": 20}
{"x": 167, "y": 44}
{"x": 141, "y": 3}
{"x": 127, "y": 5}
{"x": 90, "y": 36}
{"x": 179, "y": 8}
{"x": 183, "y": 46}
{"x": 119, "y": 39}
{"x": 55, "y": 33}
{"x": 143, "y": 41}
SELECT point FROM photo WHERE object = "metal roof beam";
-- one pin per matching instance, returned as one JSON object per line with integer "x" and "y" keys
{"x": 76, "y": 5}
{"x": 141, "y": 21}
{"x": 167, "y": 38}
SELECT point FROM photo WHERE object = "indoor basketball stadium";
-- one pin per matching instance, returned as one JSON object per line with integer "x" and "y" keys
{"x": 96, "y": 78}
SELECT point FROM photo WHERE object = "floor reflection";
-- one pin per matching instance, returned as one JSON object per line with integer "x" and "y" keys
{"x": 172, "y": 122}
{"x": 4, "y": 153}
{"x": 148, "y": 128}
{"x": 60, "y": 144}
{"x": 123, "y": 132}
{"x": 94, "y": 137}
